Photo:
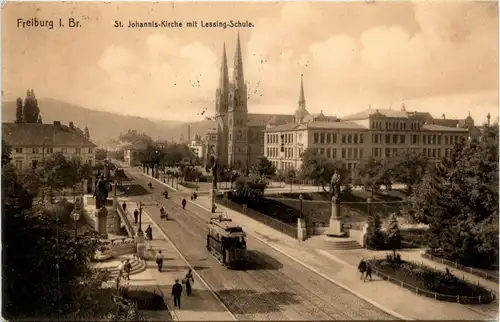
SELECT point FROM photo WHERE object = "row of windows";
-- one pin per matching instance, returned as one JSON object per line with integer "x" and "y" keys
{"x": 19, "y": 164}
{"x": 394, "y": 125}
{"x": 436, "y": 139}
{"x": 49, "y": 150}
{"x": 331, "y": 138}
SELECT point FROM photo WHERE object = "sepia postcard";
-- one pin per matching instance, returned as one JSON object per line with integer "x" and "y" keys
{"x": 216, "y": 161}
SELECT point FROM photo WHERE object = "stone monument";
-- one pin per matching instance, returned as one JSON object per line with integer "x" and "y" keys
{"x": 101, "y": 213}
{"x": 335, "y": 228}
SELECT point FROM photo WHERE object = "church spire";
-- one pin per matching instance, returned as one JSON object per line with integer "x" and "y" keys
{"x": 302, "y": 97}
{"x": 224, "y": 76}
{"x": 238, "y": 79}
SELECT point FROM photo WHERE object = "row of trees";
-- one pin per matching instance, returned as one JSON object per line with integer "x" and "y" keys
{"x": 46, "y": 273}
{"x": 29, "y": 112}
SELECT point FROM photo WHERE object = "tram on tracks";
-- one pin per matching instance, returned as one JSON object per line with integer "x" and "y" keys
{"x": 226, "y": 242}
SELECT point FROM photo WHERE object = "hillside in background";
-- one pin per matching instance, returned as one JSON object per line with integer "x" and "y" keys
{"x": 104, "y": 126}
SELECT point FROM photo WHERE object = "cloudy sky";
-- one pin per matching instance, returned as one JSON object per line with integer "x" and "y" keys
{"x": 441, "y": 58}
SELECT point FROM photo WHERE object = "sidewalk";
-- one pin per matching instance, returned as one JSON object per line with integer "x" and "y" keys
{"x": 395, "y": 300}
{"x": 201, "y": 305}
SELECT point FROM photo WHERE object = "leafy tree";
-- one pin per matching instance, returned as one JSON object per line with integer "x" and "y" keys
{"x": 409, "y": 168}
{"x": 458, "y": 199}
{"x": 393, "y": 233}
{"x": 291, "y": 175}
{"x": 19, "y": 110}
{"x": 6, "y": 151}
{"x": 39, "y": 251}
{"x": 319, "y": 169}
{"x": 250, "y": 189}
{"x": 30, "y": 108}
{"x": 264, "y": 168}
{"x": 101, "y": 154}
{"x": 374, "y": 236}
{"x": 368, "y": 173}
{"x": 56, "y": 173}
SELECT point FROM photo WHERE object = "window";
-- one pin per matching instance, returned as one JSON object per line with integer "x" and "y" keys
{"x": 355, "y": 153}
{"x": 349, "y": 153}
{"x": 387, "y": 139}
{"x": 50, "y": 150}
{"x": 34, "y": 163}
{"x": 328, "y": 138}
{"x": 394, "y": 139}
{"x": 316, "y": 137}
{"x": 322, "y": 137}
{"x": 402, "y": 139}
{"x": 34, "y": 150}
{"x": 355, "y": 139}
{"x": 90, "y": 150}
{"x": 387, "y": 152}
{"x": 328, "y": 153}
{"x": 64, "y": 150}
{"x": 361, "y": 138}
{"x": 344, "y": 138}
{"x": 334, "y": 137}
{"x": 349, "y": 139}
{"x": 334, "y": 153}
{"x": 19, "y": 164}
{"x": 19, "y": 150}
{"x": 439, "y": 139}
{"x": 78, "y": 150}
{"x": 361, "y": 153}
{"x": 343, "y": 153}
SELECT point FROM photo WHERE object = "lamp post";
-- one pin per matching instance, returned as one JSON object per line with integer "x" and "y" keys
{"x": 197, "y": 180}
{"x": 75, "y": 216}
{"x": 301, "y": 197}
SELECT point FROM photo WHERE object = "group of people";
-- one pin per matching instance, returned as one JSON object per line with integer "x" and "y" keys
{"x": 177, "y": 288}
{"x": 365, "y": 270}
{"x": 125, "y": 267}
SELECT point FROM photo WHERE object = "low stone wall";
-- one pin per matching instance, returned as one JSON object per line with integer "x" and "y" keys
{"x": 120, "y": 246}
{"x": 358, "y": 236}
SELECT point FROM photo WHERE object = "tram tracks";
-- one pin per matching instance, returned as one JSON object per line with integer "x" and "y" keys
{"x": 286, "y": 293}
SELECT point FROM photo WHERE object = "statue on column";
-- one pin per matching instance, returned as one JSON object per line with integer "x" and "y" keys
{"x": 335, "y": 182}
{"x": 101, "y": 193}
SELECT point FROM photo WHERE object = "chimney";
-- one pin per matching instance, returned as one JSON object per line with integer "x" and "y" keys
{"x": 443, "y": 116}
{"x": 57, "y": 123}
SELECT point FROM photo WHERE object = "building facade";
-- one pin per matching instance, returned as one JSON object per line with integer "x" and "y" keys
{"x": 34, "y": 142}
{"x": 132, "y": 153}
{"x": 381, "y": 134}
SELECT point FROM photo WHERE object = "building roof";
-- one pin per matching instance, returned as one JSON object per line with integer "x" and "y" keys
{"x": 363, "y": 115}
{"x": 261, "y": 120}
{"x": 441, "y": 128}
{"x": 316, "y": 125}
{"x": 36, "y": 134}
{"x": 137, "y": 145}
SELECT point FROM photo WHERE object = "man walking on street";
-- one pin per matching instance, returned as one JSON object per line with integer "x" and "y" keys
{"x": 159, "y": 260}
{"x": 136, "y": 216}
{"x": 176, "y": 293}
{"x": 183, "y": 203}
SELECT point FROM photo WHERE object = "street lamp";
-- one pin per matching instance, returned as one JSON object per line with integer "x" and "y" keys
{"x": 301, "y": 197}
{"x": 76, "y": 216}
{"x": 197, "y": 180}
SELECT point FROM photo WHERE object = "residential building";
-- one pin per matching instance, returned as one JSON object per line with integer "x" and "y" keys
{"x": 132, "y": 152}
{"x": 34, "y": 142}
{"x": 198, "y": 147}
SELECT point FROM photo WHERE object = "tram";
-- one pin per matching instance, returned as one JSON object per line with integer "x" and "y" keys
{"x": 226, "y": 242}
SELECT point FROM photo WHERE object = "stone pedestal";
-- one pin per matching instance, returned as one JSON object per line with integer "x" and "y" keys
{"x": 301, "y": 229}
{"x": 140, "y": 245}
{"x": 114, "y": 223}
{"x": 335, "y": 228}
{"x": 101, "y": 216}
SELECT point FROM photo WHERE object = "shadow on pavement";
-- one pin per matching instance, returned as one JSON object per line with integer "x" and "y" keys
{"x": 261, "y": 261}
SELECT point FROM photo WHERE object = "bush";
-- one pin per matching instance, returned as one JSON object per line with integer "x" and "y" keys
{"x": 146, "y": 300}
{"x": 375, "y": 239}
{"x": 428, "y": 279}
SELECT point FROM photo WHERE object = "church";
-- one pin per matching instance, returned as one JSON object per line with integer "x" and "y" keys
{"x": 238, "y": 136}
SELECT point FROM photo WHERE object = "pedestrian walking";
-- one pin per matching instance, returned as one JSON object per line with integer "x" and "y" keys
{"x": 124, "y": 206}
{"x": 136, "y": 216}
{"x": 368, "y": 271}
{"x": 183, "y": 202}
{"x": 362, "y": 269}
{"x": 120, "y": 270}
{"x": 176, "y": 293}
{"x": 149, "y": 232}
{"x": 159, "y": 260}
{"x": 189, "y": 280}
{"x": 127, "y": 267}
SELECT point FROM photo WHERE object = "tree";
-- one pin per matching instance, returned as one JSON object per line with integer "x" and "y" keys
{"x": 319, "y": 169}
{"x": 250, "y": 189}
{"x": 19, "y": 110}
{"x": 56, "y": 173}
{"x": 30, "y": 108}
{"x": 39, "y": 251}
{"x": 6, "y": 151}
{"x": 393, "y": 237}
{"x": 458, "y": 199}
{"x": 368, "y": 173}
{"x": 409, "y": 168}
{"x": 374, "y": 236}
{"x": 291, "y": 175}
{"x": 264, "y": 168}
{"x": 101, "y": 154}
